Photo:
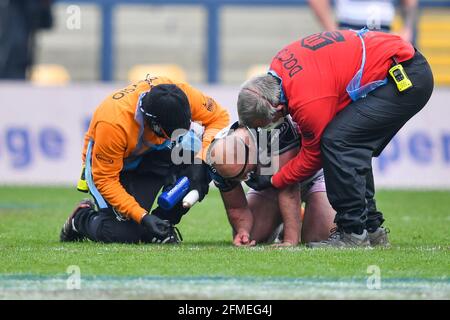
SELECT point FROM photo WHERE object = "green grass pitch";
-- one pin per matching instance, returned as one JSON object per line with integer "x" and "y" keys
{"x": 206, "y": 265}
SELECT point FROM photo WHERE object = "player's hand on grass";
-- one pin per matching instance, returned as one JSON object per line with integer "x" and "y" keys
{"x": 156, "y": 225}
{"x": 242, "y": 238}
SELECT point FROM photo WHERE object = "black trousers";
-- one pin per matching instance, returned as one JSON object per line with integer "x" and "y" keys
{"x": 144, "y": 184}
{"x": 361, "y": 131}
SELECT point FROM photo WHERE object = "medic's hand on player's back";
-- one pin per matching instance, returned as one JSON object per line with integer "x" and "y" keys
{"x": 156, "y": 225}
{"x": 198, "y": 177}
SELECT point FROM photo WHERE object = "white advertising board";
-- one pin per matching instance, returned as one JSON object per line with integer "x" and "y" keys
{"x": 42, "y": 128}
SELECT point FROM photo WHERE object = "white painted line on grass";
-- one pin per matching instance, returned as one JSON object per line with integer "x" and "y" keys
{"x": 32, "y": 287}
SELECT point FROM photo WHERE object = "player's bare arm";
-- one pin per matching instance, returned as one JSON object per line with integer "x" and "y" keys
{"x": 289, "y": 204}
{"x": 239, "y": 215}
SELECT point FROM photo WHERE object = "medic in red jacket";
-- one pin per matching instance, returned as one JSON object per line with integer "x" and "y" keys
{"x": 315, "y": 72}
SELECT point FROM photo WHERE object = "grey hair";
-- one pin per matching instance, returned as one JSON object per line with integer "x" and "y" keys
{"x": 258, "y": 98}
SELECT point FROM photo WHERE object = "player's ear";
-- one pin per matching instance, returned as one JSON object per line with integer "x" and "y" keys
{"x": 282, "y": 109}
{"x": 279, "y": 107}
{"x": 280, "y": 112}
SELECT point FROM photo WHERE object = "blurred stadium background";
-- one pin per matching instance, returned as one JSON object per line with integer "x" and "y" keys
{"x": 98, "y": 46}
{"x": 215, "y": 41}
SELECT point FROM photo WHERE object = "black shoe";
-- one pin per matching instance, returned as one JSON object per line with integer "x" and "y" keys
{"x": 174, "y": 237}
{"x": 68, "y": 231}
{"x": 340, "y": 239}
{"x": 379, "y": 237}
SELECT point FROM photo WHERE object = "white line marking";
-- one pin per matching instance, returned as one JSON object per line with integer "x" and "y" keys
{"x": 13, "y": 287}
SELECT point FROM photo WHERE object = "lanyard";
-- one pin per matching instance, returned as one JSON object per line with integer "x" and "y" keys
{"x": 354, "y": 88}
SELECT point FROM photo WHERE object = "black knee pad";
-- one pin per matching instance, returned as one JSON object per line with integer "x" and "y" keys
{"x": 108, "y": 229}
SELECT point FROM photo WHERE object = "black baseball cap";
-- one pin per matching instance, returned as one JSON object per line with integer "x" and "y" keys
{"x": 168, "y": 106}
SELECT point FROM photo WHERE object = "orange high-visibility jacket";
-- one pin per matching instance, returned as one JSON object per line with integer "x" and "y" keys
{"x": 116, "y": 135}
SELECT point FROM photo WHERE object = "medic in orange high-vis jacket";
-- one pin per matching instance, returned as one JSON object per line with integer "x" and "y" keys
{"x": 141, "y": 139}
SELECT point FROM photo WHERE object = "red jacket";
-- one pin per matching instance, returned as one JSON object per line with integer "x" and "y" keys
{"x": 315, "y": 72}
